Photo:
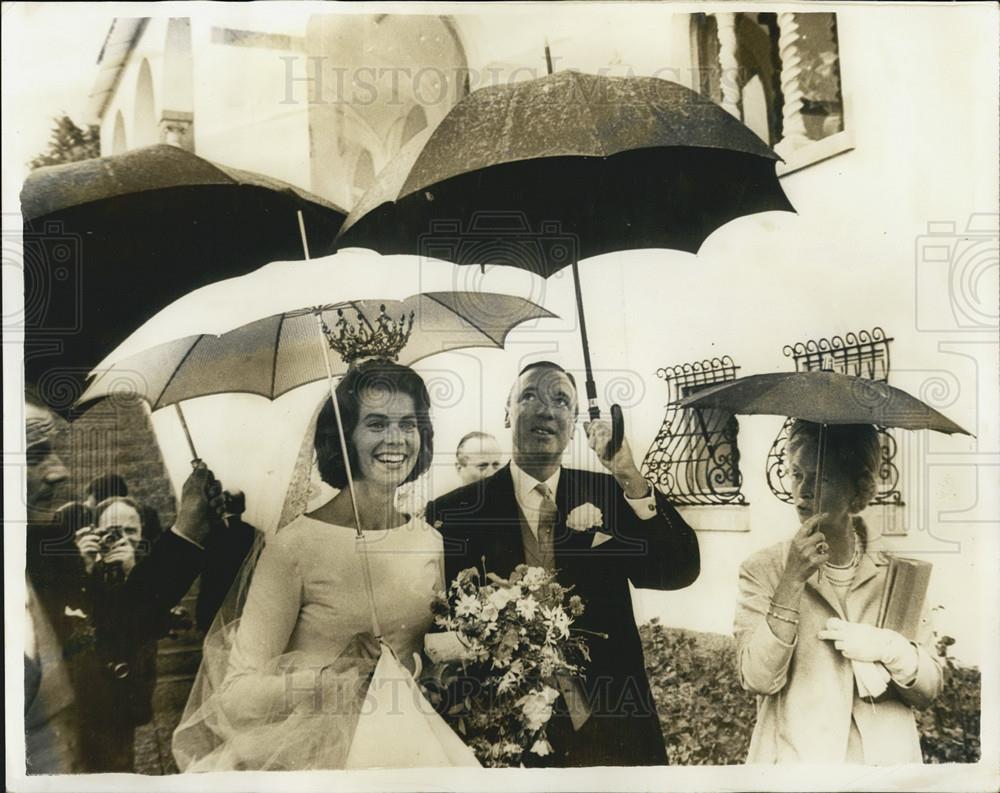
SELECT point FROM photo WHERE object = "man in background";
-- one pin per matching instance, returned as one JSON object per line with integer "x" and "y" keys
{"x": 111, "y": 485}
{"x": 51, "y": 731}
{"x": 52, "y": 718}
{"x": 477, "y": 457}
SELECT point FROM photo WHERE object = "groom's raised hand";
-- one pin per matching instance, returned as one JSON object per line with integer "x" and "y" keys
{"x": 621, "y": 464}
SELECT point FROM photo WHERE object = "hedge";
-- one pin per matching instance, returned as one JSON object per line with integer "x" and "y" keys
{"x": 707, "y": 718}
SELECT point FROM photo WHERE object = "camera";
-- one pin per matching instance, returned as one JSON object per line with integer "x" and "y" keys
{"x": 108, "y": 538}
{"x": 110, "y": 574}
{"x": 956, "y": 275}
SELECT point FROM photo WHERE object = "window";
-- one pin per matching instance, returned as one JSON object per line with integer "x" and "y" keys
{"x": 779, "y": 73}
{"x": 862, "y": 354}
{"x": 694, "y": 458}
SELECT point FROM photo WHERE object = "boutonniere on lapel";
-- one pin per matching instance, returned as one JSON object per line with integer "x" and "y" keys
{"x": 584, "y": 517}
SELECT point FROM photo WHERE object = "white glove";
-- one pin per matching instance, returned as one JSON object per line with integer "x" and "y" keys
{"x": 444, "y": 647}
{"x": 860, "y": 642}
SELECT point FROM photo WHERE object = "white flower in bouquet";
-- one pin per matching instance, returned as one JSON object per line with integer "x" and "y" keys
{"x": 541, "y": 747}
{"x": 527, "y": 607}
{"x": 517, "y": 633}
{"x": 534, "y": 577}
{"x": 504, "y": 595}
{"x": 549, "y": 661}
{"x": 466, "y": 606}
{"x": 584, "y": 517}
{"x": 509, "y": 680}
{"x": 537, "y": 707}
{"x": 558, "y": 621}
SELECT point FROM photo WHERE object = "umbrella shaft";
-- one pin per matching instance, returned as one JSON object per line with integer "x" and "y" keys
{"x": 591, "y": 386}
{"x": 187, "y": 432}
{"x": 818, "y": 482}
{"x": 360, "y": 539}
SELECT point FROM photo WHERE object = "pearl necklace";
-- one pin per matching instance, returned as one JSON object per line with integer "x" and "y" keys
{"x": 843, "y": 574}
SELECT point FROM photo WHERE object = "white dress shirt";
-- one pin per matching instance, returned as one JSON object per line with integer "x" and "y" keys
{"x": 530, "y": 500}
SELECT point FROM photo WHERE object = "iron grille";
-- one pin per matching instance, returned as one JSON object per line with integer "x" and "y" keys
{"x": 861, "y": 354}
{"x": 695, "y": 459}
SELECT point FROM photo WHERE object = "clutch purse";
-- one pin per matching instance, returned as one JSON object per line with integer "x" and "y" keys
{"x": 900, "y": 610}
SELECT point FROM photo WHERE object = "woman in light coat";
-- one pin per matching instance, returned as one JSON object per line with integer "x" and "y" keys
{"x": 808, "y": 607}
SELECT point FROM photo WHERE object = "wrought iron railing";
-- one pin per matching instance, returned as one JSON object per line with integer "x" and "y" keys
{"x": 695, "y": 459}
{"x": 862, "y": 354}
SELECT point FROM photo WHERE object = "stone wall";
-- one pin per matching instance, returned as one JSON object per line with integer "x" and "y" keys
{"x": 115, "y": 435}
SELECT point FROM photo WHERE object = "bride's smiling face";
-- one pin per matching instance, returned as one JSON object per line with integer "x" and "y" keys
{"x": 386, "y": 438}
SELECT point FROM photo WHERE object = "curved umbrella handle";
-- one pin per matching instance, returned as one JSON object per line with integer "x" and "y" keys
{"x": 617, "y": 430}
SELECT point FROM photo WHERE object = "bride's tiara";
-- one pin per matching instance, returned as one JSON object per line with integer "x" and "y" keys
{"x": 383, "y": 338}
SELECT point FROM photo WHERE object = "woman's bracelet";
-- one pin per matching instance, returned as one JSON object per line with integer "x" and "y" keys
{"x": 784, "y": 608}
{"x": 777, "y": 616}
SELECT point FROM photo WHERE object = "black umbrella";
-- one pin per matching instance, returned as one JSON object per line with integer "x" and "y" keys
{"x": 108, "y": 242}
{"x": 542, "y": 173}
{"x": 821, "y": 397}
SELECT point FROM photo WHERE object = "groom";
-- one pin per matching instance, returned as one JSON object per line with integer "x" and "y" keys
{"x": 624, "y": 531}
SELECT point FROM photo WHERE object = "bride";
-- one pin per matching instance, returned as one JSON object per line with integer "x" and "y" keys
{"x": 287, "y": 663}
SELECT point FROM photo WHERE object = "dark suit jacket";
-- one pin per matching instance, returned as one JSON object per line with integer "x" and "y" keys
{"x": 156, "y": 585}
{"x": 481, "y": 524}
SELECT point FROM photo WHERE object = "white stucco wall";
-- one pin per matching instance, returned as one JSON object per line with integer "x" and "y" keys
{"x": 851, "y": 259}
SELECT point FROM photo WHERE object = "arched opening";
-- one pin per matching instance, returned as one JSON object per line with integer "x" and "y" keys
{"x": 378, "y": 116}
{"x": 416, "y": 120}
{"x": 119, "y": 143}
{"x": 144, "y": 129}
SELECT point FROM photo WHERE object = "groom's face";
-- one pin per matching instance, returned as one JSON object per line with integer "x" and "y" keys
{"x": 541, "y": 412}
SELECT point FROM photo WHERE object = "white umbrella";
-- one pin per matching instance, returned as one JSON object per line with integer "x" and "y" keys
{"x": 271, "y": 355}
{"x": 348, "y": 275}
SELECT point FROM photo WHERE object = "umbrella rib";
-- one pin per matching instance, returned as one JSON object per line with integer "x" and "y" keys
{"x": 441, "y": 303}
{"x": 274, "y": 358}
{"x": 177, "y": 368}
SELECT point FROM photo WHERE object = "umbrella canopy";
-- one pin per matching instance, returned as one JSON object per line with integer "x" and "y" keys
{"x": 271, "y": 356}
{"x": 578, "y": 165}
{"x": 329, "y": 281}
{"x": 824, "y": 398}
{"x": 110, "y": 241}
{"x": 542, "y": 173}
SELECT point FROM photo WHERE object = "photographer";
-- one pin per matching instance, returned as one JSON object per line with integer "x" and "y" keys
{"x": 114, "y": 670}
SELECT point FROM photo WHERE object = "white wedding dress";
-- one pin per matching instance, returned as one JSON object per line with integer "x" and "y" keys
{"x": 268, "y": 696}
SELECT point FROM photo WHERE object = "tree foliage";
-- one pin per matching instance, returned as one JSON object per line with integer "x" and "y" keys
{"x": 69, "y": 143}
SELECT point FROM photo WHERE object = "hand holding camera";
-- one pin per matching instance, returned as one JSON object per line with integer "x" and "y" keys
{"x": 88, "y": 543}
{"x": 105, "y": 550}
{"x": 118, "y": 550}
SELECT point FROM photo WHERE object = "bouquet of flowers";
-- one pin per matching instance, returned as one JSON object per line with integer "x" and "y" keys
{"x": 517, "y": 637}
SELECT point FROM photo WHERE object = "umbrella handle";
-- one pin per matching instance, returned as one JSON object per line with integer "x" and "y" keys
{"x": 617, "y": 419}
{"x": 617, "y": 431}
